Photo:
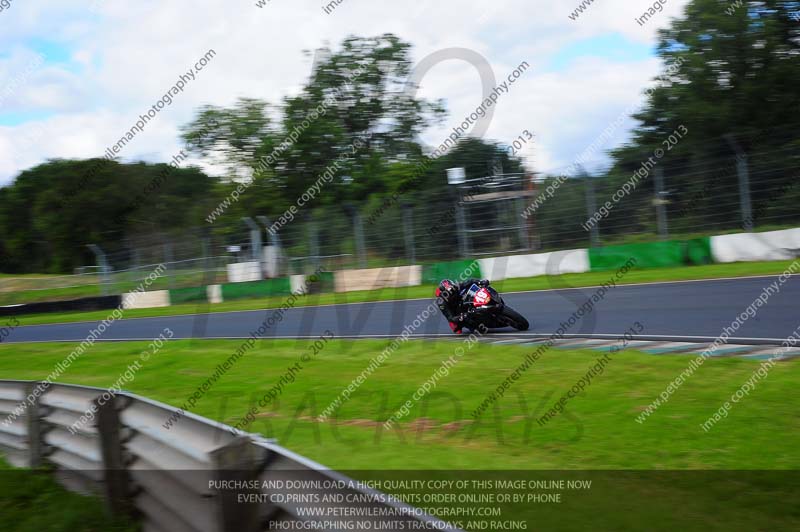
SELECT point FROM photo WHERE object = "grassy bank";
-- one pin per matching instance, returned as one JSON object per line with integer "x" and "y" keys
{"x": 34, "y": 288}
{"x": 32, "y": 501}
{"x": 593, "y": 439}
{"x": 597, "y": 431}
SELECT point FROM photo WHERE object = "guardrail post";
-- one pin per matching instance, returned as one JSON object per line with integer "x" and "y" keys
{"x": 34, "y": 426}
{"x": 240, "y": 460}
{"x": 117, "y": 480}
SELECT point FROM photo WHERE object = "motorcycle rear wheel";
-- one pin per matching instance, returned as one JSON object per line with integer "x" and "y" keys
{"x": 514, "y": 319}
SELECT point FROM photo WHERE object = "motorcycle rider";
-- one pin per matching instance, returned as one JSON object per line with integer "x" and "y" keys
{"x": 448, "y": 299}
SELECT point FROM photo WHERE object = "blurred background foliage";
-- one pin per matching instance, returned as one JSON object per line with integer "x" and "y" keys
{"x": 733, "y": 82}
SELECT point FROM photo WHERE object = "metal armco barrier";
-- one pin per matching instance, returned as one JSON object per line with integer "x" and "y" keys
{"x": 168, "y": 479}
{"x": 84, "y": 304}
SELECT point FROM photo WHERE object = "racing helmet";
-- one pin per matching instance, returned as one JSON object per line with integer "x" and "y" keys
{"x": 447, "y": 289}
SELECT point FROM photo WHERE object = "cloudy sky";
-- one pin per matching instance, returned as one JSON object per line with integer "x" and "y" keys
{"x": 74, "y": 76}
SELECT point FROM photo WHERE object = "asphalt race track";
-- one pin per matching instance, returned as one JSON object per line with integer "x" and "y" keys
{"x": 674, "y": 310}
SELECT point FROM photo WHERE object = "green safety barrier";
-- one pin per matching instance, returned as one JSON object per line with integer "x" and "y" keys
{"x": 698, "y": 251}
{"x": 456, "y": 270}
{"x": 187, "y": 295}
{"x": 671, "y": 253}
{"x": 324, "y": 283}
{"x": 648, "y": 255}
{"x": 253, "y": 289}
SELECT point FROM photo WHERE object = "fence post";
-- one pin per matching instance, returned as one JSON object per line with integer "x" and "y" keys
{"x": 524, "y": 236}
{"x": 591, "y": 209}
{"x": 116, "y": 478}
{"x": 241, "y": 461}
{"x": 660, "y": 203}
{"x": 742, "y": 169}
{"x": 461, "y": 227}
{"x": 408, "y": 229}
{"x": 168, "y": 260}
{"x": 102, "y": 263}
{"x": 255, "y": 243}
{"x": 34, "y": 426}
{"x": 275, "y": 241}
{"x": 206, "y": 247}
{"x": 359, "y": 229}
{"x": 137, "y": 260}
{"x": 358, "y": 233}
{"x": 313, "y": 244}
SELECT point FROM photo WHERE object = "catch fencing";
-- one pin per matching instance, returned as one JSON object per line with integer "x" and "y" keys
{"x": 175, "y": 480}
{"x": 680, "y": 196}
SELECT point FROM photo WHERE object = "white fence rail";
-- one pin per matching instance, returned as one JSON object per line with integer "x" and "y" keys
{"x": 171, "y": 479}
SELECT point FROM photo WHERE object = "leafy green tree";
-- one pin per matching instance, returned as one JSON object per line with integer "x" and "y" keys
{"x": 349, "y": 122}
{"x": 732, "y": 75}
{"x": 51, "y": 211}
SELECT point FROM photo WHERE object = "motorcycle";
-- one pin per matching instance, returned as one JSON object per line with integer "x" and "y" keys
{"x": 484, "y": 306}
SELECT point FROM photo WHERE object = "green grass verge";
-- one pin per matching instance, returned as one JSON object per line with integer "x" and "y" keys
{"x": 511, "y": 285}
{"x": 596, "y": 432}
{"x": 30, "y": 288}
{"x": 599, "y": 430}
{"x": 32, "y": 501}
{"x": 49, "y": 294}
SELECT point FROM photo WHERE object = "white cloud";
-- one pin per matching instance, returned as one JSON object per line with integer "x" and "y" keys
{"x": 125, "y": 55}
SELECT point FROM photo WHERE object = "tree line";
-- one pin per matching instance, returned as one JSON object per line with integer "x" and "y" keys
{"x": 730, "y": 79}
